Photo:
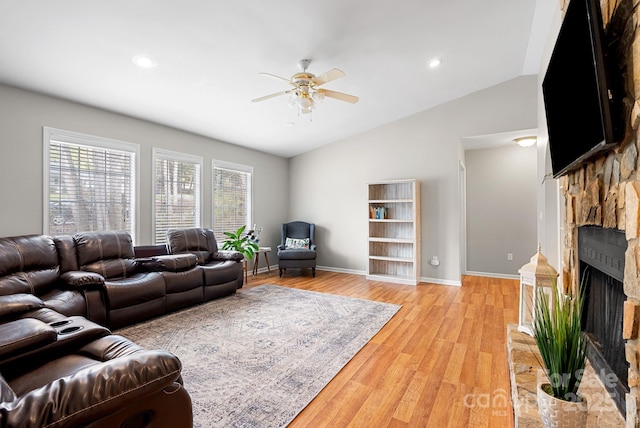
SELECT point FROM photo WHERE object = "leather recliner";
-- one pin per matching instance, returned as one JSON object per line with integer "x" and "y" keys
{"x": 129, "y": 293}
{"x": 223, "y": 270}
{"x": 29, "y": 264}
{"x": 59, "y": 371}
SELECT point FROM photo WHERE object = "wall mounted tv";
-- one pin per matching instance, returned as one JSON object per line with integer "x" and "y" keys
{"x": 581, "y": 95}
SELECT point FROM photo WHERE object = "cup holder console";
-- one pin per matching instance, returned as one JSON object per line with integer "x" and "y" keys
{"x": 59, "y": 323}
{"x": 71, "y": 329}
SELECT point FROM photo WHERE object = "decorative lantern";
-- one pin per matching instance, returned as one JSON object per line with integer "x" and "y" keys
{"x": 536, "y": 276}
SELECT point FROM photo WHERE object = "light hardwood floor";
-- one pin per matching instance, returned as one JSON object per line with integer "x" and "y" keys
{"x": 441, "y": 361}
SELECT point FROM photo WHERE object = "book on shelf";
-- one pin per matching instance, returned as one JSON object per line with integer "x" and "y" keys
{"x": 378, "y": 213}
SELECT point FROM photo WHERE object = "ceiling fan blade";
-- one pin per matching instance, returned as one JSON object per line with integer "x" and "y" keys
{"x": 266, "y": 97}
{"x": 339, "y": 96}
{"x": 328, "y": 76}
{"x": 277, "y": 77}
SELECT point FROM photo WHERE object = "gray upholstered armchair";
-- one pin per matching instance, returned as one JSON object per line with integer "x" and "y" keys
{"x": 297, "y": 247}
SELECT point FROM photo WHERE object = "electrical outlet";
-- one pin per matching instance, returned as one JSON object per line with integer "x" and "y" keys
{"x": 435, "y": 261}
{"x": 509, "y": 256}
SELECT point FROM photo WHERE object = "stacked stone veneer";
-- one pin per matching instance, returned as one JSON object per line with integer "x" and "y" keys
{"x": 606, "y": 192}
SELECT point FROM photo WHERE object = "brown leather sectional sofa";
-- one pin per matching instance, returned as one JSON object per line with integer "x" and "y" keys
{"x": 60, "y": 364}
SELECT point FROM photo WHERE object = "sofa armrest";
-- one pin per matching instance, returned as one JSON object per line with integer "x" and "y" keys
{"x": 96, "y": 391}
{"x": 13, "y": 305}
{"x": 82, "y": 279}
{"x": 170, "y": 263}
{"x": 24, "y": 335}
{"x": 228, "y": 255}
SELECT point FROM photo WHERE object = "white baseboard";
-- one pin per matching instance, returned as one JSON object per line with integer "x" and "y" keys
{"x": 340, "y": 270}
{"x": 422, "y": 279}
{"x": 360, "y": 272}
{"x": 441, "y": 281}
{"x": 493, "y": 275}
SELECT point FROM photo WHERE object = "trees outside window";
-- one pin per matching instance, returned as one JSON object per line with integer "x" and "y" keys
{"x": 176, "y": 196}
{"x": 90, "y": 183}
{"x": 232, "y": 197}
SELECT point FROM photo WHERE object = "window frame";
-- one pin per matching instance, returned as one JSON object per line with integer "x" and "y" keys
{"x": 176, "y": 156}
{"x": 216, "y": 163}
{"x": 72, "y": 137}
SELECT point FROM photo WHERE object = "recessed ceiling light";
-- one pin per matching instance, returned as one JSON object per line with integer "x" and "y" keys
{"x": 144, "y": 61}
{"x": 433, "y": 63}
{"x": 289, "y": 124}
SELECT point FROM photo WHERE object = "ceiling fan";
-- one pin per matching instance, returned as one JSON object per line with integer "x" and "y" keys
{"x": 306, "y": 92}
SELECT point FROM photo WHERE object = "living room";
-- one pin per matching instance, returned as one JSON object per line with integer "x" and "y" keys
{"x": 325, "y": 185}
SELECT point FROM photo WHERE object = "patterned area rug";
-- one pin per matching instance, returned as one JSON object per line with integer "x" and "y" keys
{"x": 258, "y": 357}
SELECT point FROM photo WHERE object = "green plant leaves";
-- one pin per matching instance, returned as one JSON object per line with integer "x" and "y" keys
{"x": 557, "y": 329}
{"x": 239, "y": 241}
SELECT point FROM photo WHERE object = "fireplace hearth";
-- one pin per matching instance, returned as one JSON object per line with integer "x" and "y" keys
{"x": 601, "y": 254}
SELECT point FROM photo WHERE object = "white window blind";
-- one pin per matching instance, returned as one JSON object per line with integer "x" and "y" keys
{"x": 231, "y": 197}
{"x": 176, "y": 192}
{"x": 90, "y": 183}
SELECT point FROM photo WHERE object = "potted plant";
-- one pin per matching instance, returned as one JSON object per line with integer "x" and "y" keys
{"x": 240, "y": 241}
{"x": 557, "y": 328}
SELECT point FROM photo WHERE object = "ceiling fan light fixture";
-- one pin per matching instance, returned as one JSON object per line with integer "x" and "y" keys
{"x": 305, "y": 102}
{"x": 306, "y": 95}
{"x": 317, "y": 96}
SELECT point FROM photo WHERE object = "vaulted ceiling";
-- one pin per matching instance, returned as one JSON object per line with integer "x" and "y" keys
{"x": 208, "y": 56}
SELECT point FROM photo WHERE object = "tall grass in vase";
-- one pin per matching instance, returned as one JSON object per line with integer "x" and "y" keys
{"x": 557, "y": 329}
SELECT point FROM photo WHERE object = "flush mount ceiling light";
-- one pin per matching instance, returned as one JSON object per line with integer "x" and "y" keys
{"x": 306, "y": 94}
{"x": 526, "y": 141}
{"x": 434, "y": 62}
{"x": 144, "y": 61}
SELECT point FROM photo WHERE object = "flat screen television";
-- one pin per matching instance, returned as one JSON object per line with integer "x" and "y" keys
{"x": 581, "y": 96}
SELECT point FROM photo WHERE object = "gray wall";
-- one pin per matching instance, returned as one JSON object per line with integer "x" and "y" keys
{"x": 328, "y": 185}
{"x": 501, "y": 209}
{"x": 24, "y": 113}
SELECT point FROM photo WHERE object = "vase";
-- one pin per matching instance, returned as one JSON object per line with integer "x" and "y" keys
{"x": 560, "y": 413}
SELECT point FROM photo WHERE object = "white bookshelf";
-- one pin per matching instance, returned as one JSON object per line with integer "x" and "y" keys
{"x": 394, "y": 231}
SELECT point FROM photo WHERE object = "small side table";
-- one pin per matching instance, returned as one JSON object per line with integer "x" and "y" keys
{"x": 265, "y": 251}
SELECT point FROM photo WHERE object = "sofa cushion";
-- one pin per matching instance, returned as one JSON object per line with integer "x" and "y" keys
{"x": 67, "y": 302}
{"x": 138, "y": 289}
{"x": 196, "y": 240}
{"x": 220, "y": 272}
{"x": 28, "y": 264}
{"x": 297, "y": 254}
{"x": 96, "y": 246}
{"x": 34, "y": 282}
{"x": 26, "y": 253}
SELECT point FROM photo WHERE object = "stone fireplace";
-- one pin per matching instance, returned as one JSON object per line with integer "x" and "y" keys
{"x": 604, "y": 194}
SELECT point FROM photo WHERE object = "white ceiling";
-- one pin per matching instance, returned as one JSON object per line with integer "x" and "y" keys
{"x": 209, "y": 54}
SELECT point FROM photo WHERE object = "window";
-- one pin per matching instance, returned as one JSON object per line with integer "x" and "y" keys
{"x": 231, "y": 197}
{"x": 176, "y": 195}
{"x": 90, "y": 183}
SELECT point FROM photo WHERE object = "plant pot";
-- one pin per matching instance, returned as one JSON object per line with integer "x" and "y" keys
{"x": 560, "y": 413}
